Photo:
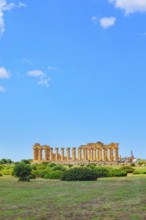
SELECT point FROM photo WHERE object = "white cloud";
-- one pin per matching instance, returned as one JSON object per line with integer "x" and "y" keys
{"x": 2, "y": 89}
{"x": 35, "y": 73}
{"x": 2, "y": 24}
{"x": 4, "y": 6}
{"x": 106, "y": 22}
{"x": 43, "y": 79}
{"x": 53, "y": 68}
{"x": 21, "y": 4}
{"x": 4, "y": 74}
{"x": 130, "y": 6}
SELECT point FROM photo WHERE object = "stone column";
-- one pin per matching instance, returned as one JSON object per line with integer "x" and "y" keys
{"x": 62, "y": 154}
{"x": 100, "y": 154}
{"x": 74, "y": 153}
{"x": 111, "y": 154}
{"x": 105, "y": 154}
{"x": 84, "y": 154}
{"x": 51, "y": 154}
{"x": 79, "y": 154}
{"x": 35, "y": 154}
{"x": 89, "y": 154}
{"x": 56, "y": 155}
{"x": 116, "y": 154}
{"x": 94, "y": 154}
{"x": 45, "y": 154}
{"x": 97, "y": 154}
{"x": 68, "y": 154}
{"x": 40, "y": 154}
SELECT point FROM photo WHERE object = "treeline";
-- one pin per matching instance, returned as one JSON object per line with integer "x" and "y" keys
{"x": 6, "y": 161}
{"x": 25, "y": 171}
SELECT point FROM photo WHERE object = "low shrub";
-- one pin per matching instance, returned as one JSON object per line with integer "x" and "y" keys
{"x": 128, "y": 169}
{"x": 140, "y": 171}
{"x": 91, "y": 166}
{"x": 102, "y": 171}
{"x": 39, "y": 173}
{"x": 7, "y": 171}
{"x": 79, "y": 173}
{"x": 51, "y": 164}
{"x": 41, "y": 166}
{"x": 58, "y": 167}
{"x": 2, "y": 167}
{"x": 47, "y": 176}
{"x": 117, "y": 172}
{"x": 0, "y": 174}
{"x": 54, "y": 174}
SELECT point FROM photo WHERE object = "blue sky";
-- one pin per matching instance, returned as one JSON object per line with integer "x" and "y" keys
{"x": 72, "y": 72}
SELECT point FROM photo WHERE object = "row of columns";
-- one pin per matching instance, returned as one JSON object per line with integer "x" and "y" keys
{"x": 83, "y": 154}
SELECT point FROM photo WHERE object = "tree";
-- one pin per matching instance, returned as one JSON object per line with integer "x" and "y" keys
{"x": 23, "y": 171}
{"x": 5, "y": 161}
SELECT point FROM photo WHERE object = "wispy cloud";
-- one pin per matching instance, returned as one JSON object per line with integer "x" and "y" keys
{"x": 106, "y": 22}
{"x": 43, "y": 79}
{"x": 2, "y": 89}
{"x": 4, "y": 74}
{"x": 53, "y": 69}
{"x": 4, "y": 6}
{"x": 130, "y": 6}
{"x": 21, "y": 4}
{"x": 94, "y": 19}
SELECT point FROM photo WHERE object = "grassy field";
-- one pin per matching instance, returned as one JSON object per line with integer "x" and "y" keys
{"x": 107, "y": 198}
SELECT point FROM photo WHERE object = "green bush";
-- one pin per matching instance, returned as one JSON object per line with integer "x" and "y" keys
{"x": 39, "y": 173}
{"x": 117, "y": 172}
{"x": 0, "y": 174}
{"x": 23, "y": 171}
{"x": 54, "y": 174}
{"x": 128, "y": 169}
{"x": 7, "y": 171}
{"x": 91, "y": 166}
{"x": 33, "y": 166}
{"x": 58, "y": 167}
{"x": 27, "y": 161}
{"x": 41, "y": 166}
{"x": 2, "y": 167}
{"x": 102, "y": 171}
{"x": 79, "y": 173}
{"x": 51, "y": 164}
{"x": 140, "y": 171}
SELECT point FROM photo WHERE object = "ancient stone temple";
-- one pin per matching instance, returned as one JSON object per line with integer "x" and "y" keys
{"x": 92, "y": 152}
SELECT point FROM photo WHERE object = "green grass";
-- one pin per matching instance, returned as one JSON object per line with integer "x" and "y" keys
{"x": 107, "y": 198}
